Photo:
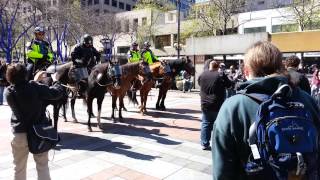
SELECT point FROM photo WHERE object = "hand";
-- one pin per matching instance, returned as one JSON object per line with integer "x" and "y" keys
{"x": 45, "y": 57}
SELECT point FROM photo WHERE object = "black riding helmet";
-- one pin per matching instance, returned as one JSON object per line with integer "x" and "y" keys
{"x": 87, "y": 39}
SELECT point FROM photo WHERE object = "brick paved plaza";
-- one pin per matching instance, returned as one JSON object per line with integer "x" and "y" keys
{"x": 159, "y": 145}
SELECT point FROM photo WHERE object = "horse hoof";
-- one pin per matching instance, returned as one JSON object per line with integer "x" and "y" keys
{"x": 114, "y": 120}
{"x": 125, "y": 109}
{"x": 65, "y": 120}
{"x": 100, "y": 127}
{"x": 89, "y": 129}
{"x": 75, "y": 121}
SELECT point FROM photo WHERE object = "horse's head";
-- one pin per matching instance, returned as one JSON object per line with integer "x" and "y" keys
{"x": 144, "y": 71}
{"x": 188, "y": 66}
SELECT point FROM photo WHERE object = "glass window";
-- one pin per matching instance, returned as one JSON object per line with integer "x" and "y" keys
{"x": 285, "y": 28}
{"x": 163, "y": 40}
{"x": 121, "y": 5}
{"x": 107, "y": 2}
{"x": 128, "y": 7}
{"x": 144, "y": 21}
{"x": 89, "y": 2}
{"x": 114, "y": 3}
{"x": 255, "y": 30}
{"x": 135, "y": 24}
{"x": 96, "y": 1}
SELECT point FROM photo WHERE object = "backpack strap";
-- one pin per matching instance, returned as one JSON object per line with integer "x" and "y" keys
{"x": 257, "y": 97}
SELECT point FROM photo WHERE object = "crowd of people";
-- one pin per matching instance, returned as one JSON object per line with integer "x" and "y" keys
{"x": 233, "y": 105}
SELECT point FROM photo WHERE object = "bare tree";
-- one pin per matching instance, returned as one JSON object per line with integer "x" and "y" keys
{"x": 306, "y": 13}
{"x": 13, "y": 27}
{"x": 226, "y": 9}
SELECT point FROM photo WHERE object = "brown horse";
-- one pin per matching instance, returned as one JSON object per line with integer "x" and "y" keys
{"x": 129, "y": 73}
{"x": 159, "y": 69}
{"x": 176, "y": 66}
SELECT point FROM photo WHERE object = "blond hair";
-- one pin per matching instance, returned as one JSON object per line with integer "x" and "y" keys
{"x": 263, "y": 58}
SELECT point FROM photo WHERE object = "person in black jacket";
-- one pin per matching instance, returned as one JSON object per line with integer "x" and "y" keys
{"x": 213, "y": 86}
{"x": 3, "y": 81}
{"x": 27, "y": 101}
{"x": 297, "y": 79}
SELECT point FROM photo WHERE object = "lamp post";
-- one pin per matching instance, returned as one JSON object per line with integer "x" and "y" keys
{"x": 178, "y": 34}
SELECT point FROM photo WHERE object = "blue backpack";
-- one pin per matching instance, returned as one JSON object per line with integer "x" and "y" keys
{"x": 283, "y": 139}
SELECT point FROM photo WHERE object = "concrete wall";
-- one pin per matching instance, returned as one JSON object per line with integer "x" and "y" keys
{"x": 217, "y": 45}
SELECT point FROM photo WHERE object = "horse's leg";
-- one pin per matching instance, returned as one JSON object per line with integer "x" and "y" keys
{"x": 142, "y": 98}
{"x": 145, "y": 100}
{"x": 114, "y": 105}
{"x": 120, "y": 107}
{"x": 99, "y": 103}
{"x": 56, "y": 109}
{"x": 89, "y": 111}
{"x": 72, "y": 102}
{"x": 159, "y": 97}
{"x": 64, "y": 109}
{"x": 163, "y": 98}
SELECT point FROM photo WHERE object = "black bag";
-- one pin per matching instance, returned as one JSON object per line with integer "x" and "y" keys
{"x": 42, "y": 137}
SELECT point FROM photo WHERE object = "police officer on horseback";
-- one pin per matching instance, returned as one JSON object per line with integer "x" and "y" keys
{"x": 134, "y": 54}
{"x": 39, "y": 53}
{"x": 84, "y": 58}
{"x": 147, "y": 54}
{"x": 85, "y": 55}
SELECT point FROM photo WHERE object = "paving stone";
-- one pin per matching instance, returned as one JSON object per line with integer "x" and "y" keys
{"x": 156, "y": 146}
{"x": 188, "y": 174}
{"x": 180, "y": 161}
{"x": 197, "y": 166}
{"x": 208, "y": 170}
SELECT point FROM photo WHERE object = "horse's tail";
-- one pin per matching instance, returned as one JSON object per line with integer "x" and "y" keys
{"x": 132, "y": 97}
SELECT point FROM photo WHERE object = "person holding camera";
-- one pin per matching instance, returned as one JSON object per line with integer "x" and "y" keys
{"x": 27, "y": 101}
{"x": 39, "y": 53}
{"x": 213, "y": 84}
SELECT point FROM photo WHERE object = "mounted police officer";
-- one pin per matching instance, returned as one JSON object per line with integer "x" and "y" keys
{"x": 134, "y": 54}
{"x": 39, "y": 53}
{"x": 84, "y": 58}
{"x": 147, "y": 54}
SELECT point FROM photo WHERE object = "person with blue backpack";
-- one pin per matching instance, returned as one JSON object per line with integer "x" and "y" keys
{"x": 270, "y": 128}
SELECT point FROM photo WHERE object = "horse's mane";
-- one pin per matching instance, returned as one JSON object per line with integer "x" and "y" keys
{"x": 176, "y": 64}
{"x": 130, "y": 68}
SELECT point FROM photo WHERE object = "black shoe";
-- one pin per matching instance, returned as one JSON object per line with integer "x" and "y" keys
{"x": 206, "y": 148}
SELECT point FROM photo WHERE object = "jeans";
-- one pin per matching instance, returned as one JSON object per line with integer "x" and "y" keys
{"x": 208, "y": 118}
{"x": 20, "y": 153}
{"x": 1, "y": 94}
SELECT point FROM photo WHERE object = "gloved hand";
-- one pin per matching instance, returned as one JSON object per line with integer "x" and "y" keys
{"x": 45, "y": 57}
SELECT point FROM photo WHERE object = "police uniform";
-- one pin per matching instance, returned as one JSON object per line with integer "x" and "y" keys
{"x": 134, "y": 56}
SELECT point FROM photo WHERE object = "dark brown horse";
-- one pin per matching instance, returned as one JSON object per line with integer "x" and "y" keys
{"x": 63, "y": 75}
{"x": 176, "y": 66}
{"x": 129, "y": 73}
{"x": 43, "y": 78}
